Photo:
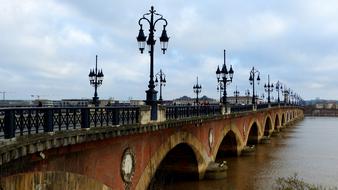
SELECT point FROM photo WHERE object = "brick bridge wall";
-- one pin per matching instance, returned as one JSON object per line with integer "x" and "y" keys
{"x": 95, "y": 161}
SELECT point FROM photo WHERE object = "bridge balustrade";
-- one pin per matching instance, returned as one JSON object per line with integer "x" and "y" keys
{"x": 274, "y": 104}
{"x": 241, "y": 108}
{"x": 186, "y": 111}
{"x": 23, "y": 121}
{"x": 262, "y": 106}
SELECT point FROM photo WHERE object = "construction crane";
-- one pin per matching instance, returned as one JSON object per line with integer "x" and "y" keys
{"x": 35, "y": 96}
{"x": 38, "y": 96}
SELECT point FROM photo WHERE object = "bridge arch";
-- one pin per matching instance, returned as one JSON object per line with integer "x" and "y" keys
{"x": 228, "y": 146}
{"x": 228, "y": 134}
{"x": 179, "y": 164}
{"x": 268, "y": 127}
{"x": 253, "y": 134}
{"x": 175, "y": 144}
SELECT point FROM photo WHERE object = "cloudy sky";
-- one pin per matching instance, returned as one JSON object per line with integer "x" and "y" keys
{"x": 48, "y": 46}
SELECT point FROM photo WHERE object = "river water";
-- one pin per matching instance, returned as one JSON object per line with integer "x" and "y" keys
{"x": 309, "y": 148}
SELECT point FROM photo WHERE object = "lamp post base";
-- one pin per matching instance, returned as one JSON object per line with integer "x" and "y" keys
{"x": 96, "y": 101}
{"x": 225, "y": 109}
{"x": 254, "y": 107}
{"x": 151, "y": 101}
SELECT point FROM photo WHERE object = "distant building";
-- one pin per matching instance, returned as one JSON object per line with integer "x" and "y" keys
{"x": 185, "y": 100}
{"x": 330, "y": 105}
{"x": 16, "y": 103}
{"x": 241, "y": 100}
{"x": 137, "y": 102}
{"x": 319, "y": 105}
{"x": 74, "y": 103}
{"x": 44, "y": 103}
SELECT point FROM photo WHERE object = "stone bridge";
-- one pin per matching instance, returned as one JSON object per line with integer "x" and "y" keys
{"x": 110, "y": 148}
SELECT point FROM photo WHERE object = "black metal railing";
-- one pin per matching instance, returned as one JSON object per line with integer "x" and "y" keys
{"x": 241, "y": 108}
{"x": 275, "y": 104}
{"x": 262, "y": 106}
{"x": 23, "y": 121}
{"x": 186, "y": 111}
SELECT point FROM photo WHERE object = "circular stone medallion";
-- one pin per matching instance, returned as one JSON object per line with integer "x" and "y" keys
{"x": 128, "y": 165}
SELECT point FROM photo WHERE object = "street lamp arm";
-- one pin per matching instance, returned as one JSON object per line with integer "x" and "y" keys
{"x": 144, "y": 18}
{"x": 166, "y": 23}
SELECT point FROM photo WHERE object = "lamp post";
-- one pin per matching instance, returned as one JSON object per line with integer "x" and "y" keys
{"x": 247, "y": 94}
{"x": 197, "y": 89}
{"x": 268, "y": 88}
{"x": 279, "y": 87}
{"x": 220, "y": 89}
{"x": 141, "y": 38}
{"x": 296, "y": 99}
{"x": 236, "y": 94}
{"x": 95, "y": 79}
{"x": 292, "y": 95}
{"x": 160, "y": 82}
{"x": 224, "y": 76}
{"x": 285, "y": 93}
{"x": 254, "y": 72}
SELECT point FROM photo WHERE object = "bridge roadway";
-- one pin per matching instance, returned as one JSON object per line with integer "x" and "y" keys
{"x": 120, "y": 148}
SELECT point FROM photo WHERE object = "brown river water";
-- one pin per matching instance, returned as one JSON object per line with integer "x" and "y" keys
{"x": 309, "y": 148}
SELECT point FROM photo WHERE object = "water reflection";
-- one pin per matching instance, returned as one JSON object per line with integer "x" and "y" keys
{"x": 310, "y": 148}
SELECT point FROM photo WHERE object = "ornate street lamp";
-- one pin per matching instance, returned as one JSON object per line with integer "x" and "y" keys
{"x": 162, "y": 81}
{"x": 296, "y": 99}
{"x": 285, "y": 93}
{"x": 236, "y": 94}
{"x": 247, "y": 94}
{"x": 197, "y": 89}
{"x": 224, "y": 76}
{"x": 268, "y": 88}
{"x": 95, "y": 79}
{"x": 252, "y": 79}
{"x": 290, "y": 96}
{"x": 299, "y": 99}
{"x": 279, "y": 87}
{"x": 142, "y": 39}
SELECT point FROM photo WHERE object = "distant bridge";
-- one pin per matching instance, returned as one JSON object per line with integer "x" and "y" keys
{"x": 121, "y": 148}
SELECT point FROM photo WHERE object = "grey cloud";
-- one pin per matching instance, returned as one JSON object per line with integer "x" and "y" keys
{"x": 48, "y": 47}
